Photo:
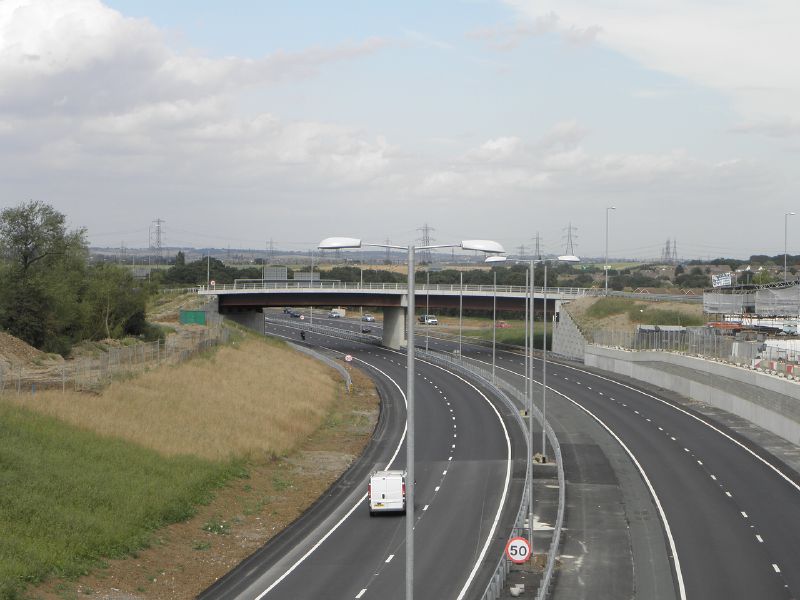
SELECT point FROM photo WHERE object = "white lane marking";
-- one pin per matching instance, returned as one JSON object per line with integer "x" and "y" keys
{"x": 728, "y": 494}
{"x": 673, "y": 438}
{"x": 686, "y": 450}
{"x": 744, "y": 514}
{"x": 361, "y": 593}
{"x": 355, "y": 505}
{"x": 667, "y": 529}
{"x": 765, "y": 462}
{"x": 391, "y": 556}
{"x": 776, "y": 567}
{"x": 760, "y": 539}
{"x": 714, "y": 477}
{"x": 436, "y": 489}
{"x": 424, "y": 508}
{"x": 661, "y": 429}
{"x": 700, "y": 462}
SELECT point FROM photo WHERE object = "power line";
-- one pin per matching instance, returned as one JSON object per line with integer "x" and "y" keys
{"x": 569, "y": 247}
{"x": 427, "y": 240}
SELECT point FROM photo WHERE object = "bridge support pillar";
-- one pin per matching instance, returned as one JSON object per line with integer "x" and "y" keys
{"x": 394, "y": 327}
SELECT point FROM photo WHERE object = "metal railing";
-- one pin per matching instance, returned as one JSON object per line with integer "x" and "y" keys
{"x": 572, "y": 292}
{"x": 348, "y": 382}
{"x": 703, "y": 343}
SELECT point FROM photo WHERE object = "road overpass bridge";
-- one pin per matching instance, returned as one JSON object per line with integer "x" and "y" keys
{"x": 392, "y": 298}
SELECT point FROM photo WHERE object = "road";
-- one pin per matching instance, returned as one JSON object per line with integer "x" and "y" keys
{"x": 464, "y": 450}
{"x": 731, "y": 510}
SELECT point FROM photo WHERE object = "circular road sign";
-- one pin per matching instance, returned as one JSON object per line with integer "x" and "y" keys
{"x": 348, "y": 358}
{"x": 518, "y": 550}
{"x": 212, "y": 282}
{"x": 302, "y": 317}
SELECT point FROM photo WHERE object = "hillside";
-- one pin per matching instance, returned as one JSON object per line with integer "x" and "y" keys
{"x": 623, "y": 314}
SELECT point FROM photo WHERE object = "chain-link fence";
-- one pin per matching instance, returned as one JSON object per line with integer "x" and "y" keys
{"x": 91, "y": 374}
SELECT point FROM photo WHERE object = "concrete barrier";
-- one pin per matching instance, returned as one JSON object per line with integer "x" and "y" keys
{"x": 768, "y": 401}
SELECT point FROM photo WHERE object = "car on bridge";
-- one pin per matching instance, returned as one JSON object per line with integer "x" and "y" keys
{"x": 428, "y": 320}
{"x": 294, "y": 314}
{"x": 368, "y": 318}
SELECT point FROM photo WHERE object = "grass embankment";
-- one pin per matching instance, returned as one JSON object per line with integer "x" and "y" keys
{"x": 641, "y": 313}
{"x": 481, "y": 328}
{"x": 74, "y": 493}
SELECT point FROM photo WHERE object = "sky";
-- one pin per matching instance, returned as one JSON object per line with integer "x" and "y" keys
{"x": 241, "y": 122}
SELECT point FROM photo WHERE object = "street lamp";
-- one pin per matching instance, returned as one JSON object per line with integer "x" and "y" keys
{"x": 605, "y": 263}
{"x": 531, "y": 263}
{"x": 785, "y": 238}
{"x": 489, "y": 246}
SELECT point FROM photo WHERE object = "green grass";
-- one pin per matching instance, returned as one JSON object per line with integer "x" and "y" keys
{"x": 515, "y": 334}
{"x": 641, "y": 313}
{"x": 70, "y": 498}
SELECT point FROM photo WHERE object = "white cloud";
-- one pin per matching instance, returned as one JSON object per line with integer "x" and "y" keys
{"x": 742, "y": 48}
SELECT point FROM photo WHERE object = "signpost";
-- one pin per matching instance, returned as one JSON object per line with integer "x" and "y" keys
{"x": 518, "y": 550}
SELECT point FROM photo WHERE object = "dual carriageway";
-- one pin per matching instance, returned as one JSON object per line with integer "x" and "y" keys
{"x": 662, "y": 501}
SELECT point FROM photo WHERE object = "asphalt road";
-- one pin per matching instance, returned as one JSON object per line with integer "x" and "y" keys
{"x": 464, "y": 449}
{"x": 732, "y": 509}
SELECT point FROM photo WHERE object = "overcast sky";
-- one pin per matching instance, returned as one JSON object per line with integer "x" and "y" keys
{"x": 244, "y": 121}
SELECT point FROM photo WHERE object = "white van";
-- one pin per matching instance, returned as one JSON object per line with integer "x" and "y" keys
{"x": 387, "y": 492}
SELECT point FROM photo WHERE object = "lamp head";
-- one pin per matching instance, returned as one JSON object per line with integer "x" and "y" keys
{"x": 569, "y": 258}
{"x": 482, "y": 245}
{"x": 336, "y": 243}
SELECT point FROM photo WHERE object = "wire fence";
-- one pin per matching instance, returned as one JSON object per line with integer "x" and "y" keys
{"x": 779, "y": 357}
{"x": 92, "y": 374}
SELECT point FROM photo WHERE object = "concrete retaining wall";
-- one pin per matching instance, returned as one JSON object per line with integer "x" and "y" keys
{"x": 567, "y": 338}
{"x": 768, "y": 401}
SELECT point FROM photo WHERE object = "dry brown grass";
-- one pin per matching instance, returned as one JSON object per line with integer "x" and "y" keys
{"x": 260, "y": 398}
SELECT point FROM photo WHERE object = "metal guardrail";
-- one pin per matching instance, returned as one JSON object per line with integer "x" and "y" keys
{"x": 572, "y": 292}
{"x": 554, "y": 292}
{"x": 328, "y": 361}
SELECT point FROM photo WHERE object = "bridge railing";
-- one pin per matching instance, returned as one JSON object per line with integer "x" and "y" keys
{"x": 251, "y": 285}
{"x": 254, "y": 286}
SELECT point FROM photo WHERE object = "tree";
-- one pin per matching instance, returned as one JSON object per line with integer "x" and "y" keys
{"x": 41, "y": 278}
{"x": 35, "y": 232}
{"x": 112, "y": 302}
{"x": 180, "y": 259}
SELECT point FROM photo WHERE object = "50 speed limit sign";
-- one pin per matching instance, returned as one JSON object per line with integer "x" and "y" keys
{"x": 518, "y": 550}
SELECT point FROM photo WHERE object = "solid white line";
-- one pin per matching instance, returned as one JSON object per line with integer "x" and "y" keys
{"x": 765, "y": 462}
{"x": 391, "y": 556}
{"x": 352, "y": 510}
{"x": 667, "y": 529}
{"x": 361, "y": 593}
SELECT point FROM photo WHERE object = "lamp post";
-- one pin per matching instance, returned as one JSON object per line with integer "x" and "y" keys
{"x": 494, "y": 319}
{"x": 605, "y": 262}
{"x": 482, "y": 245}
{"x": 785, "y": 241}
{"x": 531, "y": 263}
{"x": 460, "y": 308}
{"x": 427, "y": 306}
